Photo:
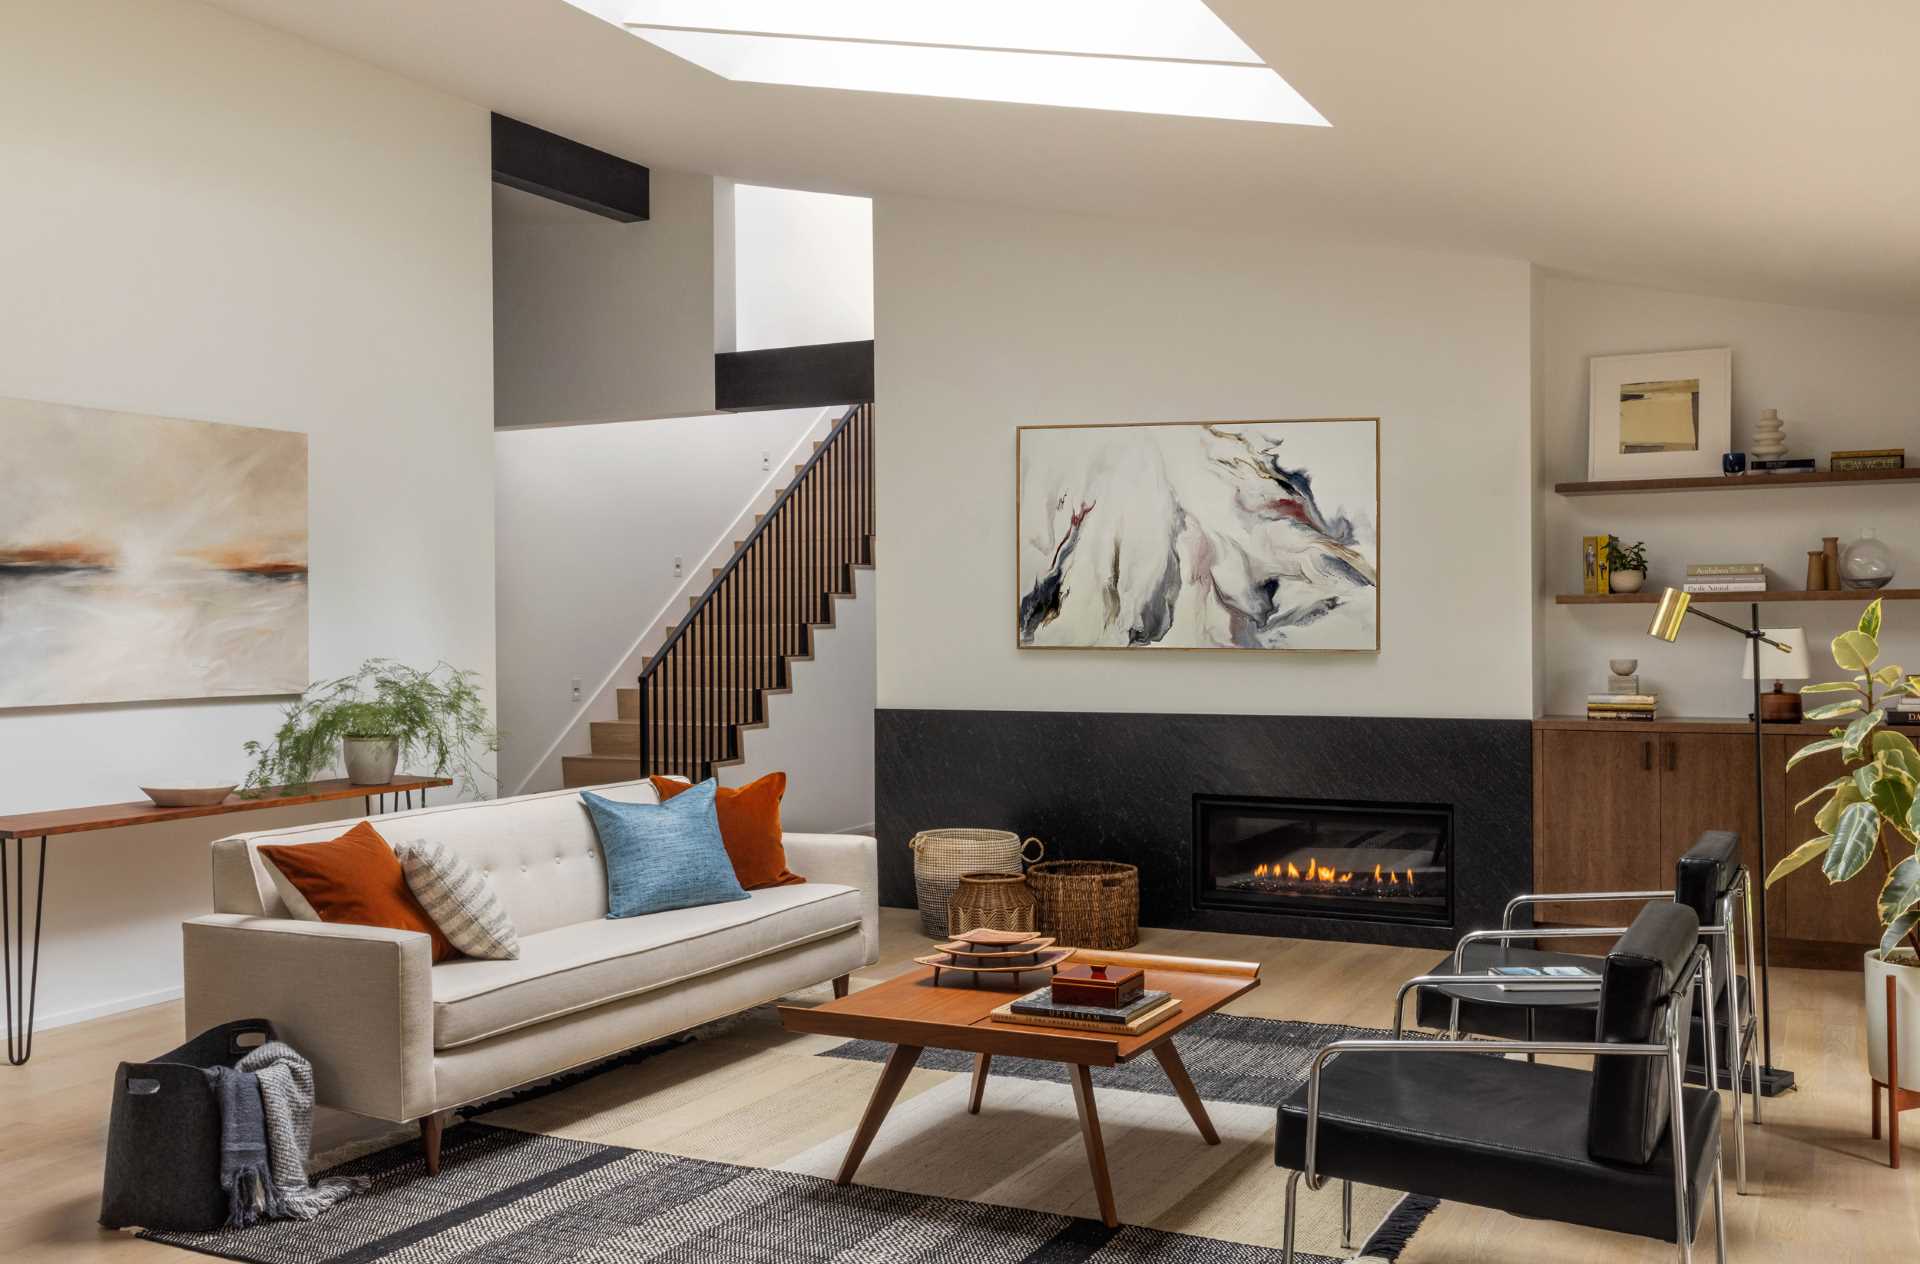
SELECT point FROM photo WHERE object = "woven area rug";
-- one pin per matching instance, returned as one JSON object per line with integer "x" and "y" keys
{"x": 722, "y": 1149}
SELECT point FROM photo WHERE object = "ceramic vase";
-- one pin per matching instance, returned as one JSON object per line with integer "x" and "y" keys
{"x": 1907, "y": 989}
{"x": 1626, "y": 581}
{"x": 1866, "y": 563}
{"x": 1769, "y": 436}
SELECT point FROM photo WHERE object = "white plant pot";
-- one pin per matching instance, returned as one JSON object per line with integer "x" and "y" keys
{"x": 371, "y": 760}
{"x": 1626, "y": 581}
{"x": 1907, "y": 988}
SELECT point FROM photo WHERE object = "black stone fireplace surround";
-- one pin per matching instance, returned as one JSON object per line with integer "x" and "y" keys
{"x": 1121, "y": 786}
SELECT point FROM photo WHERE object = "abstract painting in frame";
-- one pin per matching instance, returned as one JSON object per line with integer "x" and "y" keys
{"x": 1244, "y": 535}
{"x": 146, "y": 558}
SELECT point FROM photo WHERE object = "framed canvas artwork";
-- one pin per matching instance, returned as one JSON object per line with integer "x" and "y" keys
{"x": 1664, "y": 415}
{"x": 1243, "y": 535}
{"x": 146, "y": 558}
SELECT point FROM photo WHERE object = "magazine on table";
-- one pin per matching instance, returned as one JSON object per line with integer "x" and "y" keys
{"x": 1565, "y": 976}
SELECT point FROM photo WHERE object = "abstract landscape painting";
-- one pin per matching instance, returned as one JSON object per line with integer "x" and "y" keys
{"x": 148, "y": 558}
{"x": 1258, "y": 535}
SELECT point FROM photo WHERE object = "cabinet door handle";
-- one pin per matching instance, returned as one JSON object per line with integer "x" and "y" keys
{"x": 1646, "y": 757}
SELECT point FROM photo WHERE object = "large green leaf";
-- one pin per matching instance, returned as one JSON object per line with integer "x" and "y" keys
{"x": 1887, "y": 675}
{"x": 1834, "y": 710}
{"x": 1835, "y": 784}
{"x": 1901, "y": 889}
{"x": 1913, "y": 820}
{"x": 1853, "y": 842}
{"x": 1892, "y": 798}
{"x": 1901, "y": 927}
{"x": 1853, "y": 743}
{"x": 1855, "y": 651}
{"x": 1870, "y": 619}
{"x": 1843, "y": 798}
{"x": 1887, "y": 741}
{"x": 1830, "y": 686}
{"x": 1818, "y": 747}
{"x": 1800, "y": 855}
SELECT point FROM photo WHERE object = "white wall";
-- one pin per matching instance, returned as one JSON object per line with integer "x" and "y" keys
{"x": 1840, "y": 379}
{"x": 589, "y": 520}
{"x": 596, "y": 320}
{"x": 205, "y": 218}
{"x": 802, "y": 268}
{"x": 988, "y": 318}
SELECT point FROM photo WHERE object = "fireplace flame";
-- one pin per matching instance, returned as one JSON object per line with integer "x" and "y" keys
{"x": 1316, "y": 872}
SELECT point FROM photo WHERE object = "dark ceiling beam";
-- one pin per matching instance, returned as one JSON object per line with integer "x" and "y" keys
{"x": 549, "y": 166}
{"x": 794, "y": 377}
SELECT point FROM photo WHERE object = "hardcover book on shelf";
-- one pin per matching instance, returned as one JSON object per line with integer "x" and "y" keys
{"x": 1726, "y": 586}
{"x": 1784, "y": 465}
{"x": 1729, "y": 570}
{"x": 1593, "y": 565}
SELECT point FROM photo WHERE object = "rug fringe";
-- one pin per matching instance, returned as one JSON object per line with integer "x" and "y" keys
{"x": 1397, "y": 1230}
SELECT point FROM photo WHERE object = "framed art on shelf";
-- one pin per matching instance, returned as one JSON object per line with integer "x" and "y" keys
{"x": 1243, "y": 535}
{"x": 1667, "y": 414}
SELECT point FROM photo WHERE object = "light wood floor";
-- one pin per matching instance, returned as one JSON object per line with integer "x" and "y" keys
{"x": 1822, "y": 1192}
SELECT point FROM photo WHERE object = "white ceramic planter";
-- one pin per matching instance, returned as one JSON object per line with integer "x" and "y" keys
{"x": 1907, "y": 989}
{"x": 1626, "y": 581}
{"x": 371, "y": 760}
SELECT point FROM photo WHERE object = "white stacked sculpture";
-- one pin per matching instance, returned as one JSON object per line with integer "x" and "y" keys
{"x": 1769, "y": 436}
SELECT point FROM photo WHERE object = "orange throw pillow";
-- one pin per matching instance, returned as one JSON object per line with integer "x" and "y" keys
{"x": 356, "y": 880}
{"x": 750, "y": 828}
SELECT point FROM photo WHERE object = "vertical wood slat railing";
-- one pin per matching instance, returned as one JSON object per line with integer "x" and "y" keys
{"x": 710, "y": 676}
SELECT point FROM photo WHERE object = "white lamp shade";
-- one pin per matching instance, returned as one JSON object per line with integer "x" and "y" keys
{"x": 1792, "y": 664}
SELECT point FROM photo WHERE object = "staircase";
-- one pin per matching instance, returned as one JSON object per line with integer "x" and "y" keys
{"x": 709, "y": 681}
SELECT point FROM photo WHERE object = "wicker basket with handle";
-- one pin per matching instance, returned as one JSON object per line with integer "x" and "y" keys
{"x": 990, "y": 901}
{"x": 941, "y": 857}
{"x": 1088, "y": 903}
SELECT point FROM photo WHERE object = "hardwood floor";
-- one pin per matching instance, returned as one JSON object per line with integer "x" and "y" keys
{"x": 1821, "y": 1189}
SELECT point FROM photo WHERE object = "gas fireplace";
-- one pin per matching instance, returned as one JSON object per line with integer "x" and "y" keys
{"x": 1363, "y": 861}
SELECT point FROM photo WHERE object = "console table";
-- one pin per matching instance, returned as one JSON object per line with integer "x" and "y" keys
{"x": 22, "y": 972}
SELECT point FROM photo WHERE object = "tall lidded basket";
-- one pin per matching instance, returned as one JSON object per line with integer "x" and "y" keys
{"x": 941, "y": 857}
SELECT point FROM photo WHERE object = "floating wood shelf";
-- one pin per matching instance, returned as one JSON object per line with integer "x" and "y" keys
{"x": 1652, "y": 596}
{"x": 119, "y": 815}
{"x": 1734, "y": 482}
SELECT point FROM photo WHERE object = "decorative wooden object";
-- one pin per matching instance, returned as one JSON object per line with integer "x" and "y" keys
{"x": 1830, "y": 563}
{"x": 1088, "y": 903}
{"x": 1049, "y": 960}
{"x": 1898, "y": 1098}
{"x": 998, "y": 901}
{"x": 23, "y": 971}
{"x": 911, "y": 1014}
{"x": 1098, "y": 985}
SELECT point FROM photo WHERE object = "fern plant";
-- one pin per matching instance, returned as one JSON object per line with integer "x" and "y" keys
{"x": 436, "y": 716}
{"x": 1870, "y": 809}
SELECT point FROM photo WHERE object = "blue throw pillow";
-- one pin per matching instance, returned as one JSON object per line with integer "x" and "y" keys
{"x": 663, "y": 856}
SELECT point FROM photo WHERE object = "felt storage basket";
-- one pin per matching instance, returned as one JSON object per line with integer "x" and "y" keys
{"x": 941, "y": 857}
{"x": 1088, "y": 903}
{"x": 163, "y": 1141}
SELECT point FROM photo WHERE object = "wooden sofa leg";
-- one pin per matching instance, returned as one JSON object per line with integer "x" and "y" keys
{"x": 840, "y": 986}
{"x": 431, "y": 1126}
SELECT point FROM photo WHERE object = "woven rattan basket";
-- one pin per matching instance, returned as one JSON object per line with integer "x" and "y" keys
{"x": 990, "y": 901}
{"x": 941, "y": 857}
{"x": 1087, "y": 903}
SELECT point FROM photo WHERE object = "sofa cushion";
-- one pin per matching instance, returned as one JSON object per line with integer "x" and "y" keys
{"x": 577, "y": 967}
{"x": 749, "y": 826}
{"x": 356, "y": 879}
{"x": 663, "y": 856}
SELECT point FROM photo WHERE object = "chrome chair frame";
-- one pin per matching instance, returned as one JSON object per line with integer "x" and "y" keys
{"x": 1698, "y": 974}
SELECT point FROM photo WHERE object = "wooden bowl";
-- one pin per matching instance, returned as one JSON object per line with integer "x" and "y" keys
{"x": 186, "y": 796}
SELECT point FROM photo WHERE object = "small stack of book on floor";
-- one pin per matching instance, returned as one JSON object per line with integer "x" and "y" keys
{"x": 1622, "y": 706}
{"x": 1726, "y": 577}
{"x": 1093, "y": 998}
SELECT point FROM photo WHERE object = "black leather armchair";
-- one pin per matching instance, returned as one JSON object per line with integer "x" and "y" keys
{"x": 1709, "y": 879}
{"x": 1625, "y": 1146}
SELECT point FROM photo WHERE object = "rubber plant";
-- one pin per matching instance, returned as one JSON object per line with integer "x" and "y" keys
{"x": 1870, "y": 811}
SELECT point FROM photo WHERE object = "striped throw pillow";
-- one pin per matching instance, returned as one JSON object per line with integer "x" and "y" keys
{"x": 458, "y": 899}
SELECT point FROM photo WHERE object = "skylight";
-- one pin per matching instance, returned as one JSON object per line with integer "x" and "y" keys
{"x": 1140, "y": 56}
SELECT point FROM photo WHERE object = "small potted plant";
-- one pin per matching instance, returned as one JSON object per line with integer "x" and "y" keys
{"x": 371, "y": 720}
{"x": 1870, "y": 815}
{"x": 1626, "y": 565}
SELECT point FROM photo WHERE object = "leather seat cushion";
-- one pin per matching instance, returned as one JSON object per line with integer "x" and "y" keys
{"x": 1494, "y": 1132}
{"x": 1507, "y": 1019}
{"x": 576, "y": 967}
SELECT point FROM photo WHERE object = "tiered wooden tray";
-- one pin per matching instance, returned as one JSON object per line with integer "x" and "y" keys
{"x": 1002, "y": 952}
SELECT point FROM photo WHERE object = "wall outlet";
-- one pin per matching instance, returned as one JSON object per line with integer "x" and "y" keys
{"x": 576, "y": 689}
{"x": 766, "y": 460}
{"x": 679, "y": 567}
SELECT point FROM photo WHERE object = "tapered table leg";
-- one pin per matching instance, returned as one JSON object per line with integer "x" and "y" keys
{"x": 892, "y": 1077}
{"x": 1096, "y": 1149}
{"x": 981, "y": 1061}
{"x": 1183, "y": 1085}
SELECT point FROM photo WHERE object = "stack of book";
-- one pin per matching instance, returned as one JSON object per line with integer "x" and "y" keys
{"x": 1904, "y": 711}
{"x": 1721, "y": 577}
{"x": 1868, "y": 459}
{"x": 1038, "y": 1009}
{"x": 1622, "y": 706}
{"x": 1783, "y": 465}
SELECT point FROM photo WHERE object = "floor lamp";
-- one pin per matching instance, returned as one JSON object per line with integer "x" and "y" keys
{"x": 1673, "y": 610}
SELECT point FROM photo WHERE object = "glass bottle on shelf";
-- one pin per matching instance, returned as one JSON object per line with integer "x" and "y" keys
{"x": 1866, "y": 563}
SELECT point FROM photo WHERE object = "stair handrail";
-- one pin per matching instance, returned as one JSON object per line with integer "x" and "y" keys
{"x": 659, "y": 656}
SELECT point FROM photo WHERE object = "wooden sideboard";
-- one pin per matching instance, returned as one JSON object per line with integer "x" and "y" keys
{"x": 1614, "y": 802}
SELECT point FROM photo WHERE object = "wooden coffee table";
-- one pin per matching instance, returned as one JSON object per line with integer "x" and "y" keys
{"x": 912, "y": 1014}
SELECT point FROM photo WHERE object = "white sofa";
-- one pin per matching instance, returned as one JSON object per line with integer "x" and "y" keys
{"x": 392, "y": 1036}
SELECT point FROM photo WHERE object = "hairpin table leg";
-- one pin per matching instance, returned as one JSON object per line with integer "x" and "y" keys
{"x": 22, "y": 986}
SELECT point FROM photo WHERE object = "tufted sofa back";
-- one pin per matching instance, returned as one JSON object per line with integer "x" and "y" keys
{"x": 538, "y": 851}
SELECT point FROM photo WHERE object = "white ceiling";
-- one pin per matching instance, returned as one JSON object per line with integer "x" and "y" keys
{"x": 1761, "y": 150}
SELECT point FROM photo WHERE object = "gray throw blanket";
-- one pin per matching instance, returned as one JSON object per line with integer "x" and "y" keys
{"x": 266, "y": 1127}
